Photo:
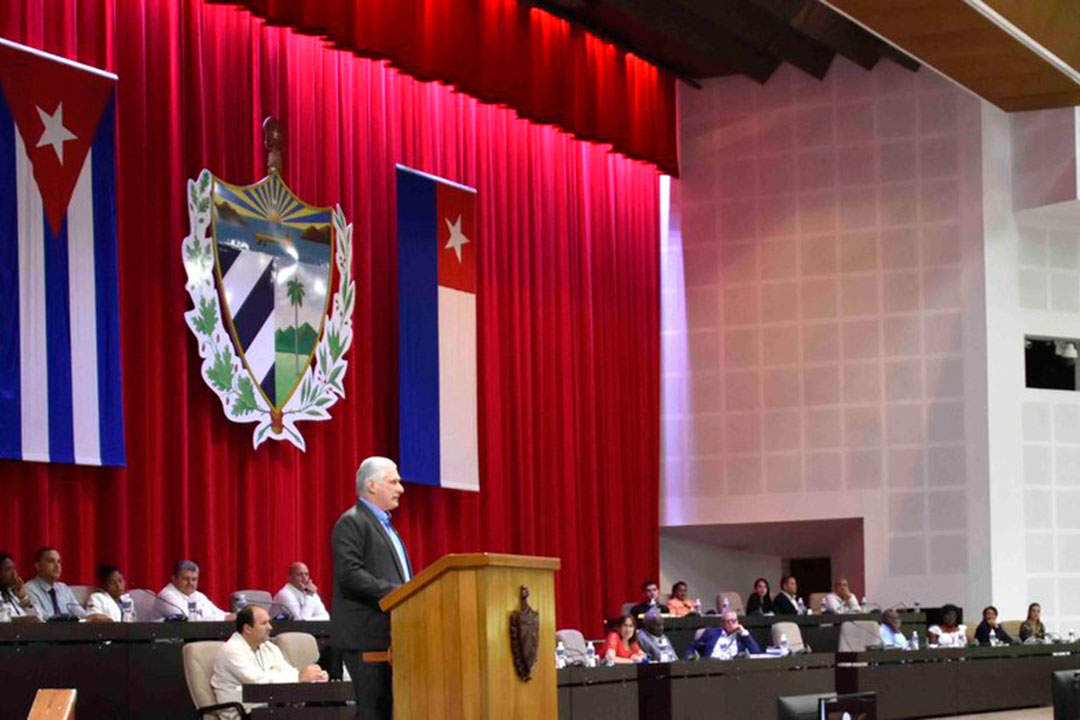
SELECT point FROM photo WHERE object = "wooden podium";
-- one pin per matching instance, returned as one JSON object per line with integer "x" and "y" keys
{"x": 450, "y": 639}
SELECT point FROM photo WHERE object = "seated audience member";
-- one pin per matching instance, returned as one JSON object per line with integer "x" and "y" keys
{"x": 51, "y": 597}
{"x": 1033, "y": 627}
{"x": 300, "y": 596}
{"x": 249, "y": 658}
{"x": 891, "y": 634}
{"x": 622, "y": 646}
{"x": 104, "y": 604}
{"x": 786, "y": 601}
{"x": 654, "y": 643}
{"x": 842, "y": 601}
{"x": 652, "y": 600}
{"x": 182, "y": 596}
{"x": 760, "y": 603}
{"x": 949, "y": 633}
{"x": 678, "y": 604}
{"x": 990, "y": 622}
{"x": 13, "y": 593}
{"x": 724, "y": 643}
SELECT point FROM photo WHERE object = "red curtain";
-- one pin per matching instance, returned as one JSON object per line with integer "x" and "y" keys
{"x": 509, "y": 53}
{"x": 568, "y": 319}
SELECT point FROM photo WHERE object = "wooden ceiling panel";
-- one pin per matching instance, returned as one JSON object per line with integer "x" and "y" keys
{"x": 970, "y": 47}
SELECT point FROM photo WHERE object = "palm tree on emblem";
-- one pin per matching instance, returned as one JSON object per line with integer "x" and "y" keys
{"x": 295, "y": 291}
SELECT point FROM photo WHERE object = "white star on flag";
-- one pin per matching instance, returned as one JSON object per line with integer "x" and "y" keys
{"x": 457, "y": 238}
{"x": 55, "y": 133}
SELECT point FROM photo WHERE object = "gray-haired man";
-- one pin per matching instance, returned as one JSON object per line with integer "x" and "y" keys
{"x": 369, "y": 562}
{"x": 182, "y": 596}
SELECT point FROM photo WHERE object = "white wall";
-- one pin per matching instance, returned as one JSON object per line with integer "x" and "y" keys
{"x": 708, "y": 569}
{"x": 824, "y": 328}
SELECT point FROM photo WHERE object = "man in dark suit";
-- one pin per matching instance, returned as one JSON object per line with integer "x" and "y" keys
{"x": 786, "y": 601}
{"x": 652, "y": 600}
{"x": 724, "y": 643}
{"x": 369, "y": 562}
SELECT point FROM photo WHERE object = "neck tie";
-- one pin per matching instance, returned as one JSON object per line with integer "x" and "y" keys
{"x": 403, "y": 556}
{"x": 55, "y": 604}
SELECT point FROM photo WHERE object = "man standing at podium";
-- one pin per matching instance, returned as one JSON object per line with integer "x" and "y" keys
{"x": 369, "y": 562}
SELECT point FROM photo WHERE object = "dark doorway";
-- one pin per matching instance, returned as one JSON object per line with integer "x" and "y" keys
{"x": 813, "y": 574}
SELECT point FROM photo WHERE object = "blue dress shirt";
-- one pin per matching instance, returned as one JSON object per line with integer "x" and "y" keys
{"x": 891, "y": 638}
{"x": 395, "y": 539}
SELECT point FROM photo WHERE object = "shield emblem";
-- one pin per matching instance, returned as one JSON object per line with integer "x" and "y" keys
{"x": 273, "y": 266}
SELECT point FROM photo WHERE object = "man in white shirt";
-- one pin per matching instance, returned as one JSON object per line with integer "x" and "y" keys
{"x": 182, "y": 596}
{"x": 13, "y": 595}
{"x": 842, "y": 601}
{"x": 300, "y": 596}
{"x": 248, "y": 658}
{"x": 51, "y": 597}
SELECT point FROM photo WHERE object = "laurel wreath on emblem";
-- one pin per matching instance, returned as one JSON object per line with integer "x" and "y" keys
{"x": 321, "y": 384}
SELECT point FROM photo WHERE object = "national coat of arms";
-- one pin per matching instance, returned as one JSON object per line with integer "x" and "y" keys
{"x": 261, "y": 264}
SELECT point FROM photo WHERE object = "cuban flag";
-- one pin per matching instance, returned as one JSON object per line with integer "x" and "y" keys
{"x": 437, "y": 331}
{"x": 60, "y": 394}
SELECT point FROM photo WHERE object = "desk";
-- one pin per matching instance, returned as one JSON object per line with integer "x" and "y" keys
{"x": 955, "y": 681}
{"x": 820, "y": 632}
{"x": 302, "y": 701}
{"x": 600, "y": 693}
{"x": 119, "y": 669}
{"x": 741, "y": 688}
{"x": 744, "y": 688}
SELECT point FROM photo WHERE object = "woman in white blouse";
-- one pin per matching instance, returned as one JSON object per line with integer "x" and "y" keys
{"x": 949, "y": 633}
{"x": 106, "y": 603}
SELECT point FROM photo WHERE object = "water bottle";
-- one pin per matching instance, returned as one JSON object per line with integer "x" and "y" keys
{"x": 1072, "y": 636}
{"x": 5, "y": 613}
{"x": 865, "y": 602}
{"x": 697, "y": 606}
{"x": 914, "y": 640}
{"x": 800, "y": 605}
{"x": 590, "y": 655}
{"x": 916, "y": 604}
{"x": 993, "y": 638}
{"x": 560, "y": 655}
{"x": 127, "y": 609}
{"x": 192, "y": 609}
{"x": 784, "y": 650}
{"x": 725, "y": 605}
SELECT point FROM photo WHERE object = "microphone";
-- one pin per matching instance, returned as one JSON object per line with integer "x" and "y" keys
{"x": 279, "y": 612}
{"x": 877, "y": 644}
{"x": 163, "y": 610}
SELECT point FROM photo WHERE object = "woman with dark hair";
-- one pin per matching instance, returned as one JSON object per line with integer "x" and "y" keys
{"x": 760, "y": 601}
{"x": 622, "y": 646}
{"x": 949, "y": 633}
{"x": 1033, "y": 626}
{"x": 108, "y": 603}
{"x": 990, "y": 623}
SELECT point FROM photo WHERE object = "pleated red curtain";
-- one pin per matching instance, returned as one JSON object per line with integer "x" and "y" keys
{"x": 568, "y": 318}
{"x": 509, "y": 53}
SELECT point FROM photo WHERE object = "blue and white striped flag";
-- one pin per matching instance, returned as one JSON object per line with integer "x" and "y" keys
{"x": 60, "y": 383}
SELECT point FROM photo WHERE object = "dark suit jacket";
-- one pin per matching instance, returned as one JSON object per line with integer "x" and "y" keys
{"x": 982, "y": 634}
{"x": 782, "y": 605}
{"x": 703, "y": 647}
{"x": 642, "y": 608}
{"x": 366, "y": 569}
{"x": 759, "y": 605}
